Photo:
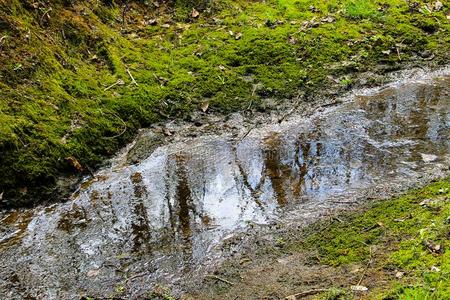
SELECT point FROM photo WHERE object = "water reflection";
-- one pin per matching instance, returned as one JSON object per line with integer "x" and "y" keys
{"x": 163, "y": 214}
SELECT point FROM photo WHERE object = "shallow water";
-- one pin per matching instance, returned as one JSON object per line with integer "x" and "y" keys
{"x": 162, "y": 217}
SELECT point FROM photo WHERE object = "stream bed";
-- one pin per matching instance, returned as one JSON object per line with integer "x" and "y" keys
{"x": 165, "y": 216}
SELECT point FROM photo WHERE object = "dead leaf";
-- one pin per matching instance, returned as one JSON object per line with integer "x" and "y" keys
{"x": 386, "y": 52}
{"x": 438, "y": 5}
{"x": 195, "y": 13}
{"x": 328, "y": 19}
{"x": 359, "y": 288}
{"x": 292, "y": 40}
{"x": 23, "y": 190}
{"x": 399, "y": 274}
{"x": 167, "y": 132}
{"x": 165, "y": 25}
{"x": 204, "y": 106}
{"x": 74, "y": 163}
{"x": 222, "y": 68}
{"x": 244, "y": 260}
{"x": 426, "y": 202}
{"x": 435, "y": 269}
{"x": 428, "y": 157}
{"x": 238, "y": 36}
{"x": 93, "y": 273}
{"x": 435, "y": 248}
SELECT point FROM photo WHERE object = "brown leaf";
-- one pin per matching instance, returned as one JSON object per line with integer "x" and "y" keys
{"x": 74, "y": 163}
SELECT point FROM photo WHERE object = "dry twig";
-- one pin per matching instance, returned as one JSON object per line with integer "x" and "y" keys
{"x": 306, "y": 293}
{"x": 133, "y": 81}
{"x": 219, "y": 279}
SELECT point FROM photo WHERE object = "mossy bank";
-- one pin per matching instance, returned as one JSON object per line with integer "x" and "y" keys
{"x": 394, "y": 249}
{"x": 78, "y": 78}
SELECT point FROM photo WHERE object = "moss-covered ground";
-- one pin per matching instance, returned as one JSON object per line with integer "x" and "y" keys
{"x": 408, "y": 238}
{"x": 78, "y": 78}
{"x": 393, "y": 249}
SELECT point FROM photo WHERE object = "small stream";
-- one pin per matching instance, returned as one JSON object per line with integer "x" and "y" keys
{"x": 166, "y": 216}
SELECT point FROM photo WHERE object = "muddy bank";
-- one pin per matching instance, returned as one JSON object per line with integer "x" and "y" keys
{"x": 165, "y": 214}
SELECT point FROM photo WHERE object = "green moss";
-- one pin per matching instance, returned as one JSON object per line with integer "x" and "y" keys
{"x": 409, "y": 233}
{"x": 59, "y": 62}
{"x": 361, "y": 9}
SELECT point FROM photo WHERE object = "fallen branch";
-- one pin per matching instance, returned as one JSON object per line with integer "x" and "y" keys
{"x": 219, "y": 279}
{"x": 306, "y": 293}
